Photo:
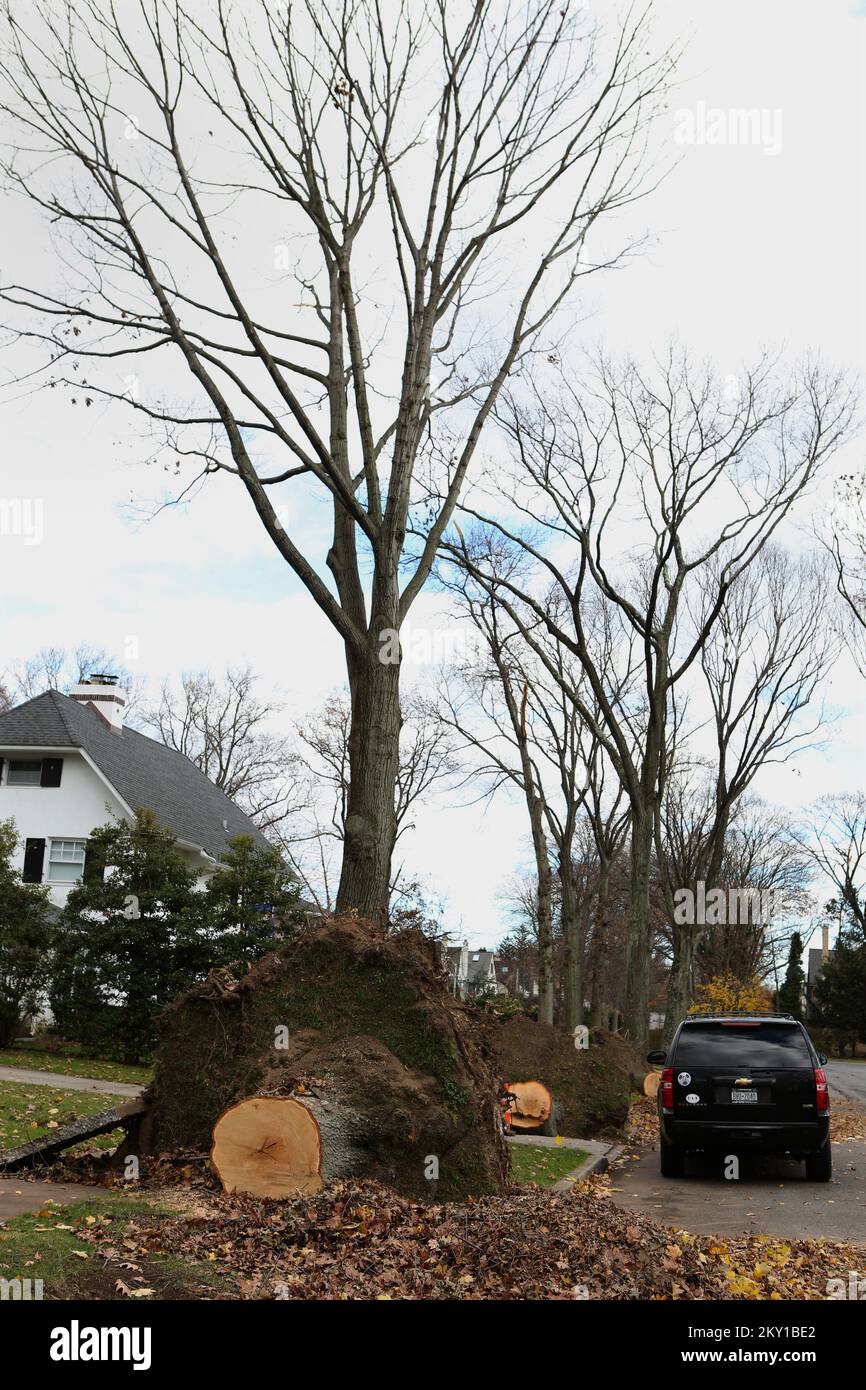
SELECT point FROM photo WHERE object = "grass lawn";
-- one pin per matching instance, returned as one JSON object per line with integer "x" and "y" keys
{"x": 29, "y": 1112}
{"x": 88, "y": 1250}
{"x": 73, "y": 1064}
{"x": 542, "y": 1165}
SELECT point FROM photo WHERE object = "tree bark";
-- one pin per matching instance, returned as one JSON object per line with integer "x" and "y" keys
{"x": 545, "y": 914}
{"x": 681, "y": 980}
{"x": 600, "y": 947}
{"x": 374, "y": 755}
{"x": 573, "y": 937}
{"x": 638, "y": 938}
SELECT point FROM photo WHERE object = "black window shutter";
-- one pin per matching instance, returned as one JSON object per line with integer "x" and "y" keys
{"x": 52, "y": 771}
{"x": 1, "y": 769}
{"x": 94, "y": 863}
{"x": 34, "y": 859}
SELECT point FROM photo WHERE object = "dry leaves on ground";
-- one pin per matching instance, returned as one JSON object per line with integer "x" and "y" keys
{"x": 359, "y": 1240}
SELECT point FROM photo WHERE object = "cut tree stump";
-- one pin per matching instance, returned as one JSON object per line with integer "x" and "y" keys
{"x": 533, "y": 1105}
{"x": 269, "y": 1146}
{"x": 47, "y": 1148}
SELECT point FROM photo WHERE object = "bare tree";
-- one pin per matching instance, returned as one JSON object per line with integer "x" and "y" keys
{"x": 684, "y": 473}
{"x": 764, "y": 658}
{"x": 411, "y": 160}
{"x": 844, "y": 536}
{"x": 225, "y": 728}
{"x": 59, "y": 668}
{"x": 521, "y": 727}
{"x": 426, "y": 756}
{"x": 838, "y": 847}
{"x": 427, "y": 762}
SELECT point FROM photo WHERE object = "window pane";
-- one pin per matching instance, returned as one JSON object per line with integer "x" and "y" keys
{"x": 24, "y": 773}
{"x": 66, "y": 861}
{"x": 64, "y": 873}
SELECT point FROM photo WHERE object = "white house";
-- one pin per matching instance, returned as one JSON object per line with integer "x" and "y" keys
{"x": 68, "y": 765}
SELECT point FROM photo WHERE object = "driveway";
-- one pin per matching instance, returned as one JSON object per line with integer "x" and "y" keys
{"x": 848, "y": 1078}
{"x": 60, "y": 1082}
{"x": 772, "y": 1195}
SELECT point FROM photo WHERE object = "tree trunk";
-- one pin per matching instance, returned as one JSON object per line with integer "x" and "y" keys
{"x": 600, "y": 947}
{"x": 374, "y": 753}
{"x": 545, "y": 918}
{"x": 681, "y": 981}
{"x": 638, "y": 938}
{"x": 573, "y": 938}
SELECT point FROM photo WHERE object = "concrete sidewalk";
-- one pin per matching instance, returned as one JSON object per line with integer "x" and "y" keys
{"x": 17, "y": 1196}
{"x": 27, "y": 1076}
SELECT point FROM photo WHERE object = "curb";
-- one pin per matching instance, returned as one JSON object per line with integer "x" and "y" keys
{"x": 593, "y": 1163}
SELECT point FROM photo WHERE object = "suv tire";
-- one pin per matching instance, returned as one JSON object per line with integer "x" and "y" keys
{"x": 672, "y": 1159}
{"x": 819, "y": 1165}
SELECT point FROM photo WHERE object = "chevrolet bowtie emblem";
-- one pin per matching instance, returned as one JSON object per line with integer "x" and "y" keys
{"x": 743, "y": 1081}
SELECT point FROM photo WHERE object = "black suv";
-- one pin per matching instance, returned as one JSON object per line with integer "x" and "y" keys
{"x": 744, "y": 1083}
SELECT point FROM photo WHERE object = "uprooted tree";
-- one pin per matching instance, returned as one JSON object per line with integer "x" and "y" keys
{"x": 401, "y": 163}
{"x": 359, "y": 1029}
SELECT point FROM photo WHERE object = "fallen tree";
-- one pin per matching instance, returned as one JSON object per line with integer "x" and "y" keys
{"x": 358, "y": 1028}
{"x": 591, "y": 1090}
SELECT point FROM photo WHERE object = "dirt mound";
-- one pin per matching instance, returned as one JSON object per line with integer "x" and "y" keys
{"x": 592, "y": 1089}
{"x": 362, "y": 1029}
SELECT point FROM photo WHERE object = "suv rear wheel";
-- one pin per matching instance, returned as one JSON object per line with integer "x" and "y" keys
{"x": 819, "y": 1165}
{"x": 672, "y": 1159}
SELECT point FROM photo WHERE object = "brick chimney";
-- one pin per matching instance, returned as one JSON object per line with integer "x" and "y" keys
{"x": 103, "y": 695}
{"x": 825, "y": 942}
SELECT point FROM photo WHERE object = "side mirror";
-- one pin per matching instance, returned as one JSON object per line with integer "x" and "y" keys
{"x": 658, "y": 1055}
{"x": 822, "y": 1059}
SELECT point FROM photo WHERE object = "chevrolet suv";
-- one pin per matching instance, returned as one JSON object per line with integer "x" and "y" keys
{"x": 743, "y": 1083}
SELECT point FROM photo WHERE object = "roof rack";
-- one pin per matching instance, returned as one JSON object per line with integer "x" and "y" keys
{"x": 741, "y": 1013}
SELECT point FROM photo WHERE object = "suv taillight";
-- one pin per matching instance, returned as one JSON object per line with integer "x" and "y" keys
{"x": 668, "y": 1088}
{"x": 822, "y": 1095}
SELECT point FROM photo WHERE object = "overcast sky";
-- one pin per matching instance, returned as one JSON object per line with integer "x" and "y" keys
{"x": 752, "y": 244}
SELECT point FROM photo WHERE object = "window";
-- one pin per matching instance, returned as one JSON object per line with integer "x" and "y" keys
{"x": 776, "y": 1045}
{"x": 66, "y": 861}
{"x": 34, "y": 772}
{"x": 24, "y": 773}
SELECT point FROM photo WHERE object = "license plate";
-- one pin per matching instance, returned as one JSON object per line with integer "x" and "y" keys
{"x": 744, "y": 1097}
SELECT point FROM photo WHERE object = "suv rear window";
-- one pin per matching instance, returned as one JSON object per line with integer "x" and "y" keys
{"x": 774, "y": 1045}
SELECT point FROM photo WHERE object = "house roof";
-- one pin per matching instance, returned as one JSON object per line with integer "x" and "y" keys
{"x": 144, "y": 773}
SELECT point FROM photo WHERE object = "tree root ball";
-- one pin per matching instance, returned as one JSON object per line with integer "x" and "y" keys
{"x": 361, "y": 1030}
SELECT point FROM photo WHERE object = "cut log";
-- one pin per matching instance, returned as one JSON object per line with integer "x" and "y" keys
{"x": 45, "y": 1149}
{"x": 532, "y": 1106}
{"x": 269, "y": 1146}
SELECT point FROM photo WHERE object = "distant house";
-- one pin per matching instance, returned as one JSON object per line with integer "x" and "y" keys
{"x": 68, "y": 765}
{"x": 472, "y": 972}
{"x": 817, "y": 959}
